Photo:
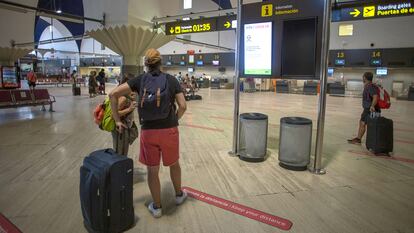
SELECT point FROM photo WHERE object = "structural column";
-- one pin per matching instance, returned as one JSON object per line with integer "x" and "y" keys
{"x": 130, "y": 65}
{"x": 317, "y": 165}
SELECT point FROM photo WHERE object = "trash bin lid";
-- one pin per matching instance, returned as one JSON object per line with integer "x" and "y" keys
{"x": 295, "y": 121}
{"x": 253, "y": 116}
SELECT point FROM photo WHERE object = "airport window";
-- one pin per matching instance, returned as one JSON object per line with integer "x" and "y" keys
{"x": 188, "y": 4}
{"x": 346, "y": 30}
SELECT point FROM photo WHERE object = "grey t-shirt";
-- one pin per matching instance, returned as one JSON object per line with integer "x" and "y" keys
{"x": 369, "y": 91}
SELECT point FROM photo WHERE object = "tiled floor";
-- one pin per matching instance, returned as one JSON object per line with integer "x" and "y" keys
{"x": 41, "y": 152}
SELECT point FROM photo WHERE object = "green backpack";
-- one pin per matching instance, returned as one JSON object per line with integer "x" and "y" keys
{"x": 107, "y": 123}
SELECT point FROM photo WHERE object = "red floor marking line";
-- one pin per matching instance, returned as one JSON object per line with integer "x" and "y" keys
{"x": 242, "y": 210}
{"x": 396, "y": 158}
{"x": 202, "y": 127}
{"x": 6, "y": 226}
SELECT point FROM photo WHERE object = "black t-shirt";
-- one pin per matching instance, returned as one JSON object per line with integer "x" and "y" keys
{"x": 369, "y": 91}
{"x": 175, "y": 88}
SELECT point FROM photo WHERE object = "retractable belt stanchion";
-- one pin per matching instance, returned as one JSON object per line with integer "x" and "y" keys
{"x": 237, "y": 83}
{"x": 317, "y": 165}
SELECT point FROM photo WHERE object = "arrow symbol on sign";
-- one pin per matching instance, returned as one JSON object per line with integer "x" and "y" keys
{"x": 172, "y": 30}
{"x": 227, "y": 24}
{"x": 355, "y": 13}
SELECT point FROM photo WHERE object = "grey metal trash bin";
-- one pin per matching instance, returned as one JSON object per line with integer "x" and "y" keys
{"x": 253, "y": 137}
{"x": 295, "y": 143}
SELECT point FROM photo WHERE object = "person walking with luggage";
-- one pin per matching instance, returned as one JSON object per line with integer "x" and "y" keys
{"x": 369, "y": 104}
{"x": 159, "y": 139}
{"x": 32, "y": 79}
{"x": 101, "y": 80}
{"x": 93, "y": 84}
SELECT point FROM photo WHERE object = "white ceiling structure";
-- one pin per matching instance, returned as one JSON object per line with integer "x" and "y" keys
{"x": 130, "y": 41}
{"x": 9, "y": 55}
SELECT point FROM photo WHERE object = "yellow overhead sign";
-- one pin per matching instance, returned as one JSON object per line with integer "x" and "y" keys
{"x": 267, "y": 10}
{"x": 369, "y": 11}
{"x": 355, "y": 13}
{"x": 380, "y": 10}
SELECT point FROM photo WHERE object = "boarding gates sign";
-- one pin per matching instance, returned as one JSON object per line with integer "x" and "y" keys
{"x": 374, "y": 11}
{"x": 281, "y": 39}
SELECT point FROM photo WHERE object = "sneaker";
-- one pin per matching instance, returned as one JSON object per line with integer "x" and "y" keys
{"x": 354, "y": 141}
{"x": 180, "y": 199}
{"x": 156, "y": 212}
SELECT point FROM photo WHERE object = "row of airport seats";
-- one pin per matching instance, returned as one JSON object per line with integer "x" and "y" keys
{"x": 23, "y": 98}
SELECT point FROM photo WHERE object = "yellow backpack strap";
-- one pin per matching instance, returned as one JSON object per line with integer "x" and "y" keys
{"x": 158, "y": 97}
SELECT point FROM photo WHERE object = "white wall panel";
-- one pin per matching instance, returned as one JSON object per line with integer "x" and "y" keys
{"x": 22, "y": 29}
{"x": 394, "y": 32}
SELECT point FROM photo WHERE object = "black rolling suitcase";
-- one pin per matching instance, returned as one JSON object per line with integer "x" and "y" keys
{"x": 196, "y": 97}
{"x": 76, "y": 90}
{"x": 380, "y": 135}
{"x": 106, "y": 192}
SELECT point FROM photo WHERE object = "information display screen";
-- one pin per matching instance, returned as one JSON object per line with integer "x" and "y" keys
{"x": 339, "y": 62}
{"x": 382, "y": 71}
{"x": 9, "y": 76}
{"x": 330, "y": 72}
{"x": 258, "y": 49}
{"x": 216, "y": 63}
{"x": 200, "y": 63}
{"x": 376, "y": 62}
{"x": 191, "y": 59}
{"x": 299, "y": 48}
{"x": 190, "y": 69}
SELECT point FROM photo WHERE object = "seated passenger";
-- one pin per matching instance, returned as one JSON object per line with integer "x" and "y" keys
{"x": 159, "y": 117}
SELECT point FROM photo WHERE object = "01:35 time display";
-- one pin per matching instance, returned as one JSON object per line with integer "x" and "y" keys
{"x": 202, "y": 27}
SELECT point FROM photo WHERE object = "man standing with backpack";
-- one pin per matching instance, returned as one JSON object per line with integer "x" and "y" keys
{"x": 158, "y": 92}
{"x": 369, "y": 103}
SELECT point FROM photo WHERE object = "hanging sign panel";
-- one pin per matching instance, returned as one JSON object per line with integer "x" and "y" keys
{"x": 374, "y": 11}
{"x": 221, "y": 23}
{"x": 258, "y": 48}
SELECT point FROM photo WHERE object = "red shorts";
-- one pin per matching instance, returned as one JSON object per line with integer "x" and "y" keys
{"x": 159, "y": 143}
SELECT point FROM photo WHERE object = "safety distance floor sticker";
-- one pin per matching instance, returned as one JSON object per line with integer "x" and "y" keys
{"x": 242, "y": 210}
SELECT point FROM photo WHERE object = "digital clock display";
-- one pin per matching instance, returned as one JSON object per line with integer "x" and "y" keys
{"x": 193, "y": 26}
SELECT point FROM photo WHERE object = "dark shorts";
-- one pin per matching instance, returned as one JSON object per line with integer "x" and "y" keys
{"x": 32, "y": 84}
{"x": 365, "y": 114}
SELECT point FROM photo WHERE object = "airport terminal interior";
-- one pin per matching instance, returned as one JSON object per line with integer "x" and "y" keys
{"x": 269, "y": 142}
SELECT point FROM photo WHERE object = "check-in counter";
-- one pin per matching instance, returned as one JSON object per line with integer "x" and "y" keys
{"x": 310, "y": 88}
{"x": 336, "y": 89}
{"x": 282, "y": 86}
{"x": 411, "y": 93}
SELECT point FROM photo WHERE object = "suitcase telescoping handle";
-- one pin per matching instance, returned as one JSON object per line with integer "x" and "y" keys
{"x": 375, "y": 115}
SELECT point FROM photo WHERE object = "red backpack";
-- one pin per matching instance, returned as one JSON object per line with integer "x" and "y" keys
{"x": 384, "y": 100}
